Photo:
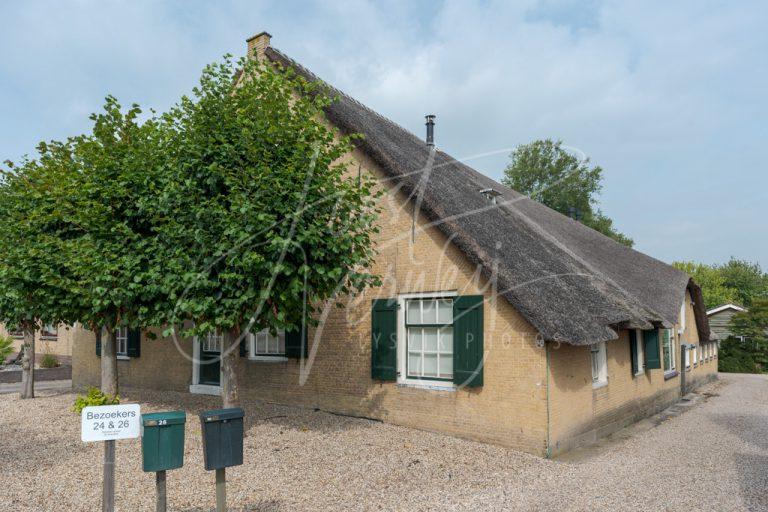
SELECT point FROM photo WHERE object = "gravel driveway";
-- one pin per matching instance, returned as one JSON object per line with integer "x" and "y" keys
{"x": 713, "y": 457}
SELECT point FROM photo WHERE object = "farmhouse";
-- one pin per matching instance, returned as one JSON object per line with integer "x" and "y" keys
{"x": 498, "y": 319}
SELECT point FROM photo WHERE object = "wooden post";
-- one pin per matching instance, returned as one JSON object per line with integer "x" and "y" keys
{"x": 221, "y": 490}
{"x": 28, "y": 363}
{"x": 109, "y": 387}
{"x": 161, "y": 494}
{"x": 108, "y": 490}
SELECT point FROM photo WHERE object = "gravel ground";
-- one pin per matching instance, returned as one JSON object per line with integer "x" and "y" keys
{"x": 713, "y": 457}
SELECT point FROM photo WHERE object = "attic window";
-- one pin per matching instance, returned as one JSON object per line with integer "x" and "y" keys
{"x": 490, "y": 194}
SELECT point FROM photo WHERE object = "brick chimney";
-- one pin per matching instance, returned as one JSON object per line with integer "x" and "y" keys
{"x": 257, "y": 44}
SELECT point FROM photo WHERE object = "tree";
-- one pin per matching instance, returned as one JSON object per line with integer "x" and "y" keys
{"x": 547, "y": 173}
{"x": 33, "y": 278}
{"x": 747, "y": 279}
{"x": 265, "y": 223}
{"x": 747, "y": 350}
{"x": 713, "y": 284}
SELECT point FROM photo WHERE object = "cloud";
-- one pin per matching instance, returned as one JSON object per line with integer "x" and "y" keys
{"x": 669, "y": 98}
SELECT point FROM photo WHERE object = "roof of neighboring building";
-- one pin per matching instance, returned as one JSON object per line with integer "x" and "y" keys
{"x": 573, "y": 284}
{"x": 724, "y": 307}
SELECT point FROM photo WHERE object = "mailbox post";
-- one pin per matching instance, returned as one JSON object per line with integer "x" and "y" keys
{"x": 222, "y": 446}
{"x": 162, "y": 447}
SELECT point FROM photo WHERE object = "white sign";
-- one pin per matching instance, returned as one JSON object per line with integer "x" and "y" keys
{"x": 108, "y": 422}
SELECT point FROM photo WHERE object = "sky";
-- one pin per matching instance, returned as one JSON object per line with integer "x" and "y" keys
{"x": 669, "y": 98}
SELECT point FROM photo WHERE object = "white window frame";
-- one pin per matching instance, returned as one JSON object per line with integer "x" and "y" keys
{"x": 681, "y": 327}
{"x": 121, "y": 342}
{"x": 402, "y": 342}
{"x": 671, "y": 350}
{"x": 640, "y": 351}
{"x": 695, "y": 355}
{"x": 687, "y": 358}
{"x": 598, "y": 364}
{"x": 49, "y": 332}
{"x": 266, "y": 357}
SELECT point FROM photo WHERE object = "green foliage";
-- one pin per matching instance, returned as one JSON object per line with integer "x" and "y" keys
{"x": 747, "y": 350}
{"x": 262, "y": 220}
{"x": 738, "y": 281}
{"x": 49, "y": 361}
{"x": 712, "y": 283}
{"x": 93, "y": 398}
{"x": 551, "y": 175}
{"x": 6, "y": 348}
{"x": 747, "y": 279}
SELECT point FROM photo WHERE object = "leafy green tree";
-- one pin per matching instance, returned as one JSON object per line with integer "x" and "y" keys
{"x": 747, "y": 279}
{"x": 713, "y": 284}
{"x": 747, "y": 350}
{"x": 265, "y": 222}
{"x": 547, "y": 173}
{"x": 34, "y": 282}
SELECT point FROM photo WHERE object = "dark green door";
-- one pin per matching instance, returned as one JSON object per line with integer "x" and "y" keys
{"x": 210, "y": 360}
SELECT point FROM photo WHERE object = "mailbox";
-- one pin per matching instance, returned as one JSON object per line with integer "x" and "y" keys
{"x": 162, "y": 440}
{"x": 222, "y": 438}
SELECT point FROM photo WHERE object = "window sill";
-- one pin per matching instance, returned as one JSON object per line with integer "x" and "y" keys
{"x": 640, "y": 373}
{"x": 123, "y": 358}
{"x": 439, "y": 386}
{"x": 48, "y": 338}
{"x": 599, "y": 385}
{"x": 205, "y": 389}
{"x": 268, "y": 359}
{"x": 671, "y": 375}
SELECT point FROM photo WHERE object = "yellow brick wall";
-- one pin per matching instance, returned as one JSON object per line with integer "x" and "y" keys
{"x": 580, "y": 414}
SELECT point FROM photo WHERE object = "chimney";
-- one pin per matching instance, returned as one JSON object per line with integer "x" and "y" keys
{"x": 257, "y": 44}
{"x": 430, "y": 129}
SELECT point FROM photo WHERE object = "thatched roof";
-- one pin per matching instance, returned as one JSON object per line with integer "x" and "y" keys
{"x": 570, "y": 282}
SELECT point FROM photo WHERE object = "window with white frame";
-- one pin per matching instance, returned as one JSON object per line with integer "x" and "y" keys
{"x": 213, "y": 342}
{"x": 599, "y": 364}
{"x": 695, "y": 351}
{"x": 122, "y": 341}
{"x": 49, "y": 331}
{"x": 265, "y": 344}
{"x": 639, "y": 352}
{"x": 687, "y": 357}
{"x": 429, "y": 338}
{"x": 668, "y": 347}
{"x": 701, "y": 354}
{"x": 681, "y": 327}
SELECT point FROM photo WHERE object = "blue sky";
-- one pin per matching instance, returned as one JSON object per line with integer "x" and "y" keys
{"x": 670, "y": 98}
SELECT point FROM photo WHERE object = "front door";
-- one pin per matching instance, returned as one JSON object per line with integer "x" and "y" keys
{"x": 210, "y": 359}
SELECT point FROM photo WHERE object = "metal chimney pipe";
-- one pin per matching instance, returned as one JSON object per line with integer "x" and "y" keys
{"x": 430, "y": 129}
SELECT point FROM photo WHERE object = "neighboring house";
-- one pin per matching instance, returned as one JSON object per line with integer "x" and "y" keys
{"x": 498, "y": 318}
{"x": 720, "y": 320}
{"x": 50, "y": 339}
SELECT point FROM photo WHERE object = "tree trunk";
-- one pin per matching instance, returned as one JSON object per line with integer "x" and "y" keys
{"x": 230, "y": 392}
{"x": 28, "y": 363}
{"x": 109, "y": 361}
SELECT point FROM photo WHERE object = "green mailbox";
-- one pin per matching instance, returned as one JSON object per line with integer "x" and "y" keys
{"x": 162, "y": 440}
{"x": 222, "y": 438}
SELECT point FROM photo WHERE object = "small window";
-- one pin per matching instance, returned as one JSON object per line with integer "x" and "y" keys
{"x": 49, "y": 331}
{"x": 695, "y": 351}
{"x": 668, "y": 346}
{"x": 429, "y": 338}
{"x": 122, "y": 341}
{"x": 213, "y": 342}
{"x": 18, "y": 333}
{"x": 688, "y": 358}
{"x": 639, "y": 352}
{"x": 599, "y": 364}
{"x": 265, "y": 344}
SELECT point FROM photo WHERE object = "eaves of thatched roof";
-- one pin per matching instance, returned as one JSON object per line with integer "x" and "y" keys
{"x": 570, "y": 282}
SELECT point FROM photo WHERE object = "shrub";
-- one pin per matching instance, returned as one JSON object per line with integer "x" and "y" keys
{"x": 734, "y": 356}
{"x": 94, "y": 397}
{"x": 6, "y": 348}
{"x": 49, "y": 361}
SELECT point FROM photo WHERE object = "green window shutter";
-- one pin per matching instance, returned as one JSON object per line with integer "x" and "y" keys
{"x": 652, "y": 357}
{"x": 468, "y": 341}
{"x": 633, "y": 351}
{"x": 98, "y": 343}
{"x": 296, "y": 343}
{"x": 134, "y": 342}
{"x": 384, "y": 339}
